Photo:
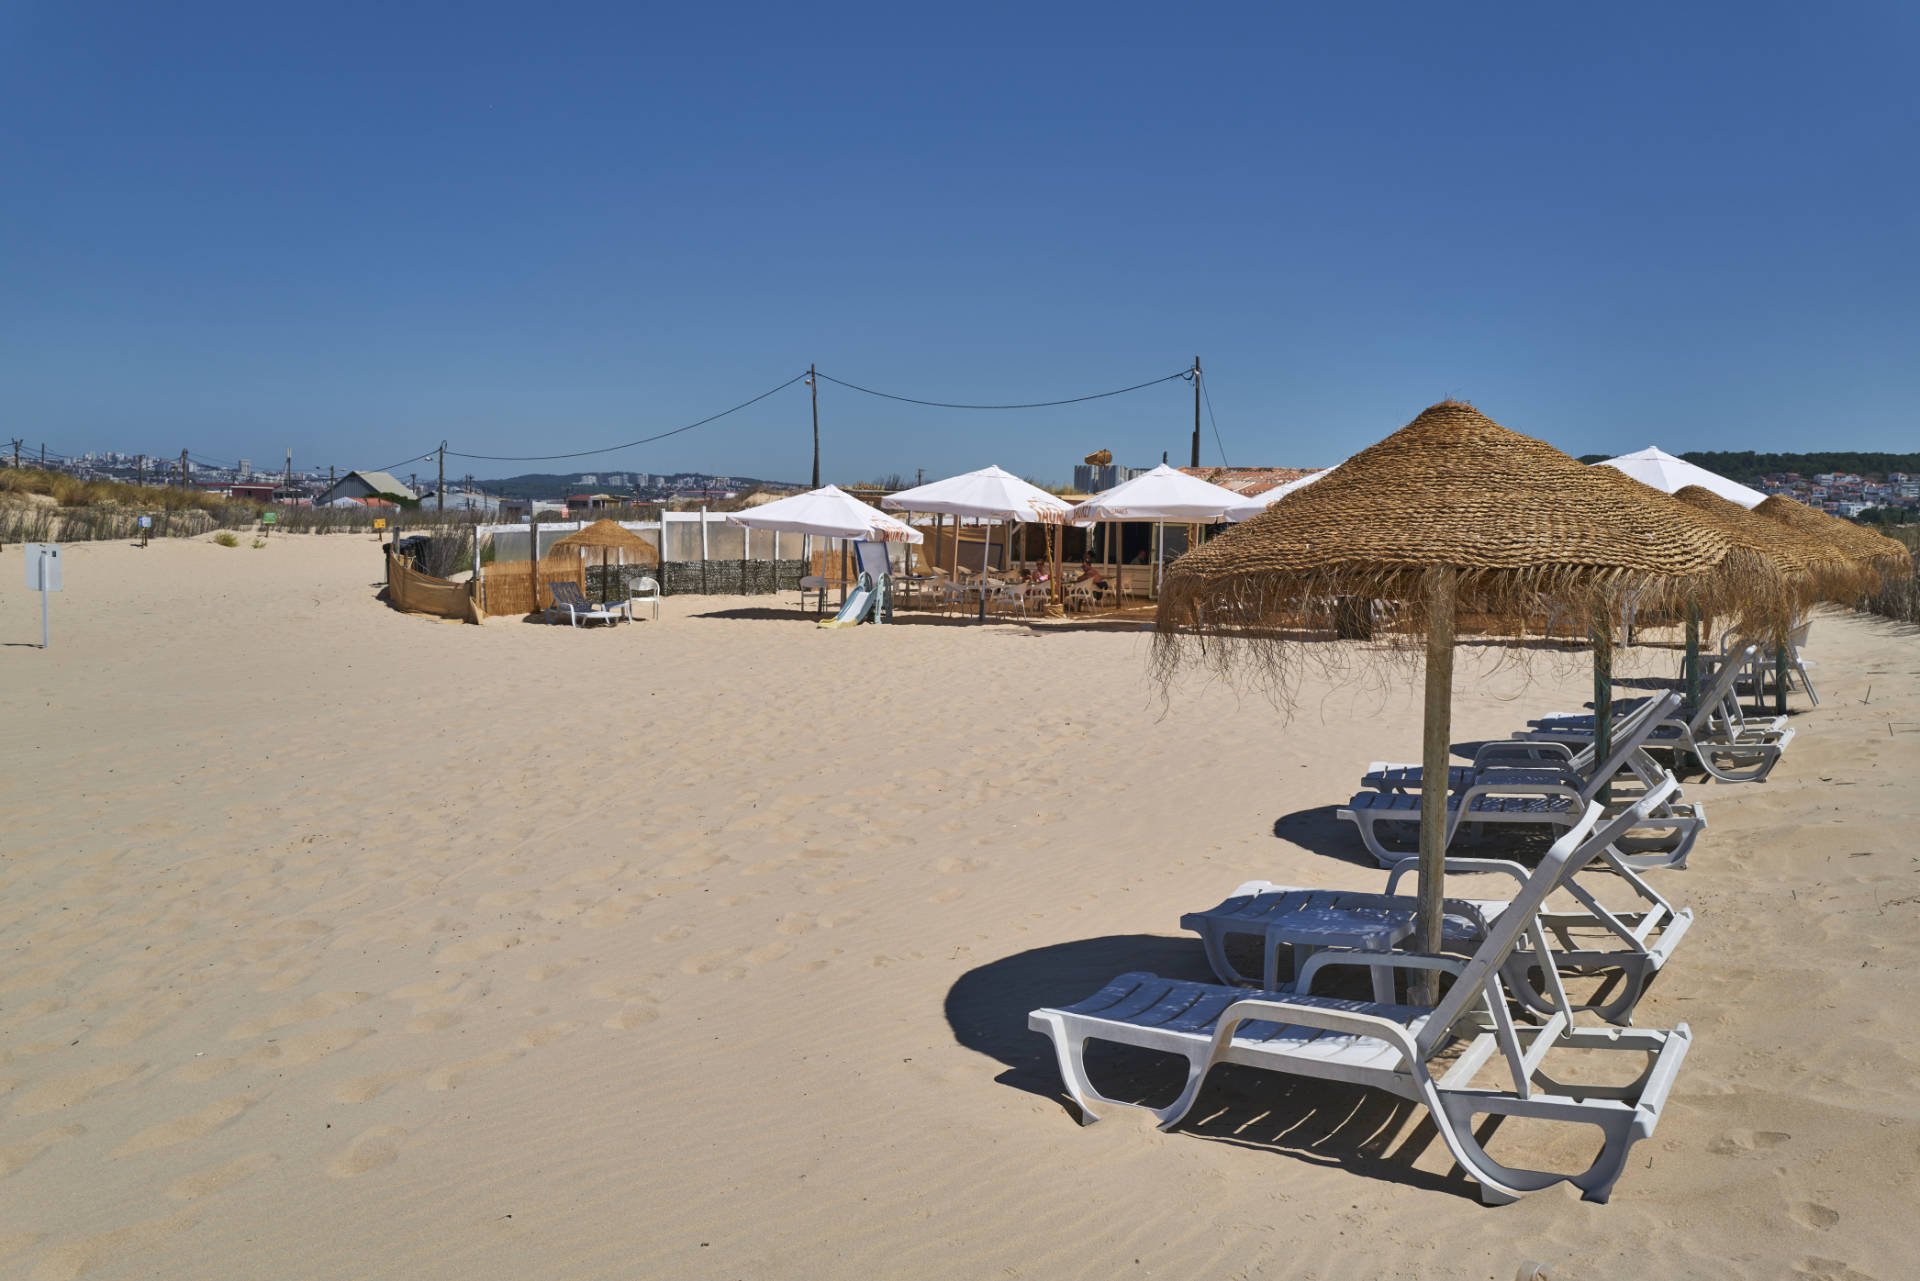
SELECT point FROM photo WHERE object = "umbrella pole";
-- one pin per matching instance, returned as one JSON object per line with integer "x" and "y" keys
{"x": 1436, "y": 751}
{"x": 1692, "y": 666}
{"x": 1603, "y": 701}
{"x": 1779, "y": 680}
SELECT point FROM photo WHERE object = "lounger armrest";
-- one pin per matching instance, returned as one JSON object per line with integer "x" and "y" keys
{"x": 1259, "y": 1009}
{"x": 1392, "y": 960}
{"x": 1456, "y": 865}
{"x": 1521, "y": 749}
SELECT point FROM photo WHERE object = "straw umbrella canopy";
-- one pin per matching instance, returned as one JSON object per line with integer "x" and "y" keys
{"x": 1670, "y": 475}
{"x": 1812, "y": 568}
{"x": 1879, "y": 556}
{"x": 1451, "y": 508}
{"x": 613, "y": 539}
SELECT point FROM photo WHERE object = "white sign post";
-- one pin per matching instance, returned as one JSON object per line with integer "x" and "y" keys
{"x": 43, "y": 576}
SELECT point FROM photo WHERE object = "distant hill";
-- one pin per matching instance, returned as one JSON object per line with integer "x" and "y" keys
{"x": 559, "y": 485}
{"x": 1747, "y": 467}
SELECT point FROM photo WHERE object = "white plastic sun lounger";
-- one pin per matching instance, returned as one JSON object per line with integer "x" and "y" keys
{"x": 569, "y": 601}
{"x": 1521, "y": 753}
{"x": 1635, "y": 944}
{"x": 1394, "y": 1047}
{"x": 1544, "y": 792}
{"x": 1728, "y": 745}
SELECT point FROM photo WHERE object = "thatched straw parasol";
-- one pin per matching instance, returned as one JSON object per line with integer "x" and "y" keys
{"x": 1879, "y": 555}
{"x": 613, "y": 539}
{"x": 1453, "y": 508}
{"x": 1815, "y": 567}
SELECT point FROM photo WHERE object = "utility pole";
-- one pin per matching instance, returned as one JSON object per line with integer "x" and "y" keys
{"x": 43, "y": 455}
{"x": 813, "y": 381}
{"x": 289, "y": 481}
{"x": 440, "y": 492}
{"x": 329, "y": 482}
{"x": 140, "y": 470}
{"x": 183, "y": 469}
{"x": 16, "y": 453}
{"x": 1196, "y": 411}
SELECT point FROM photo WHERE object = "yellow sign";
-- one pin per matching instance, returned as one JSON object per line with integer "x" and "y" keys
{"x": 379, "y": 522}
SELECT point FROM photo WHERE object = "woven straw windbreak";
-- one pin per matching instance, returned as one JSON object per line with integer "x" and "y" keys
{"x": 1527, "y": 528}
{"x": 611, "y": 535}
{"x": 1882, "y": 557}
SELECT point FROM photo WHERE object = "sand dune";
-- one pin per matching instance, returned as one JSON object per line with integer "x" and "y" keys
{"x": 343, "y": 943}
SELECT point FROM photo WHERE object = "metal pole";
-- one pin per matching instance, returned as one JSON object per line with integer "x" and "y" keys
{"x": 1196, "y": 411}
{"x": 1436, "y": 751}
{"x": 1603, "y": 701}
{"x": 813, "y": 384}
{"x": 440, "y": 490}
{"x": 1780, "y": 680}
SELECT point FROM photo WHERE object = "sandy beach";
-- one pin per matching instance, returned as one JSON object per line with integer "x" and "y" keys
{"x": 342, "y": 943}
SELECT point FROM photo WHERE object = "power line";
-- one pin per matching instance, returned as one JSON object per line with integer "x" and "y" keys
{"x": 647, "y": 440}
{"x": 1037, "y": 404}
{"x": 1208, "y": 397}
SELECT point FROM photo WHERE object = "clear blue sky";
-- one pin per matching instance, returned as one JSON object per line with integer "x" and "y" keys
{"x": 356, "y": 229}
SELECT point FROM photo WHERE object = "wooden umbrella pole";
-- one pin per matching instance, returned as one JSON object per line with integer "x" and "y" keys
{"x": 1436, "y": 751}
{"x": 1780, "y": 680}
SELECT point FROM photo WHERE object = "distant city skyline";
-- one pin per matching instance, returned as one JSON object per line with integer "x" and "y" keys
{"x": 357, "y": 233}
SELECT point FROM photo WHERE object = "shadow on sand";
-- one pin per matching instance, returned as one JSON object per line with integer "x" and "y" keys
{"x": 1323, "y": 1122}
{"x": 1317, "y": 831}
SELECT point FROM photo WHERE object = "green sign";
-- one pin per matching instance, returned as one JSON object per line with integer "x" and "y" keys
{"x": 269, "y": 518}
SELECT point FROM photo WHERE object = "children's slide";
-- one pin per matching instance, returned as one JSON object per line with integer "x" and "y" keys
{"x": 867, "y": 601}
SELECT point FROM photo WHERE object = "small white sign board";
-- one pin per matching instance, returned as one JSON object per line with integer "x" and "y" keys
{"x": 146, "y": 522}
{"x": 43, "y": 567}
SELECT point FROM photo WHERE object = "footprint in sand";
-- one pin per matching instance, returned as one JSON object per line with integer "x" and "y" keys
{"x": 77, "y": 1258}
{"x": 191, "y": 1187}
{"x": 1739, "y": 1142}
{"x": 196, "y": 1125}
{"x": 947, "y": 895}
{"x": 436, "y": 1021}
{"x": 453, "y": 1075}
{"x": 296, "y": 1051}
{"x": 956, "y": 866}
{"x": 795, "y": 923}
{"x": 673, "y": 935}
{"x": 363, "y": 1089}
{"x": 16, "y": 1156}
{"x": 541, "y": 1036}
{"x": 63, "y": 1092}
{"x": 708, "y": 962}
{"x": 371, "y": 1150}
{"x": 477, "y": 947}
{"x": 1811, "y": 1214}
{"x": 630, "y": 1017}
{"x": 553, "y": 969}
{"x": 318, "y": 1006}
{"x": 1829, "y": 1270}
{"x": 130, "y": 1026}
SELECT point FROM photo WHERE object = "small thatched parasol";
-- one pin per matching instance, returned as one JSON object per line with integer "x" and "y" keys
{"x": 1815, "y": 567}
{"x": 1451, "y": 508}
{"x": 1879, "y": 555}
{"x": 614, "y": 540}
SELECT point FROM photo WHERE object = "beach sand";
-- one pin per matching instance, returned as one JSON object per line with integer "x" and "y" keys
{"x": 342, "y": 943}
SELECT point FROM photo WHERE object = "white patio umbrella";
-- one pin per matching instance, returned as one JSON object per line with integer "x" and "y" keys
{"x": 829, "y": 512}
{"x": 1163, "y": 495}
{"x": 990, "y": 494}
{"x": 1248, "y": 508}
{"x": 1670, "y": 475}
